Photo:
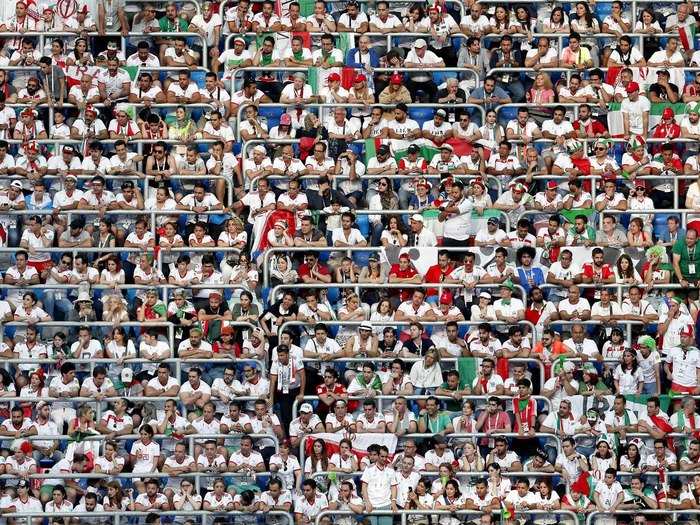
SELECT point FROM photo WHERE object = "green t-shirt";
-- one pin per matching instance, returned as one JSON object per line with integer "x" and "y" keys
{"x": 690, "y": 259}
{"x": 439, "y": 423}
{"x": 453, "y": 405}
{"x": 167, "y": 26}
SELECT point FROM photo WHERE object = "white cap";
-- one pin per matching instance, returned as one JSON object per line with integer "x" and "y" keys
{"x": 420, "y": 43}
{"x": 306, "y": 408}
{"x": 365, "y": 325}
{"x": 417, "y": 217}
{"x": 260, "y": 149}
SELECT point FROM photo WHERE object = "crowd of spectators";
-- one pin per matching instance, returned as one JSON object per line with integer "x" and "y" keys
{"x": 359, "y": 282}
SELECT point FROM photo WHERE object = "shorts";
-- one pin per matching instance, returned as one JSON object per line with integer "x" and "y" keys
{"x": 40, "y": 266}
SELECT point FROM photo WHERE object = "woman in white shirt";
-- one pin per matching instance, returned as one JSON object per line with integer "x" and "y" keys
{"x": 120, "y": 348}
{"x": 286, "y": 466}
{"x": 452, "y": 500}
{"x": 629, "y": 379}
{"x": 471, "y": 460}
{"x": 548, "y": 500}
{"x": 144, "y": 455}
{"x": 639, "y": 201}
{"x": 218, "y": 499}
{"x": 625, "y": 272}
{"x": 420, "y": 499}
{"x": 558, "y": 22}
{"x": 116, "y": 500}
{"x": 187, "y": 499}
{"x": 394, "y": 234}
{"x": 344, "y": 460}
{"x": 647, "y": 23}
{"x": 58, "y": 503}
{"x": 29, "y": 312}
{"x": 112, "y": 275}
{"x": 318, "y": 460}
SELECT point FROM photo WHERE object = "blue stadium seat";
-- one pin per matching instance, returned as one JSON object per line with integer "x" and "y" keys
{"x": 271, "y": 113}
{"x": 361, "y": 259}
{"x": 421, "y": 114}
{"x": 506, "y": 114}
{"x": 362, "y": 222}
{"x": 198, "y": 77}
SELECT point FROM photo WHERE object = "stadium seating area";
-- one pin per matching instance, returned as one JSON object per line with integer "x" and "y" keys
{"x": 350, "y": 263}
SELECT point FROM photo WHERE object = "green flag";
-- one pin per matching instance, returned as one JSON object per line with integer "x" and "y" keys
{"x": 468, "y": 368}
{"x": 570, "y": 215}
{"x": 312, "y": 76}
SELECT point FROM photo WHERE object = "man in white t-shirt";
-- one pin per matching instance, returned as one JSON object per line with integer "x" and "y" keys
{"x": 456, "y": 216}
{"x": 635, "y": 112}
{"x": 608, "y": 495}
{"x": 379, "y": 486}
{"x": 682, "y": 363}
{"x": 184, "y": 91}
{"x": 419, "y": 57}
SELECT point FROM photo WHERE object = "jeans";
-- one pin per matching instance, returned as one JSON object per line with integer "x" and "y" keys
{"x": 55, "y": 306}
{"x": 649, "y": 388}
{"x": 377, "y": 229}
{"x": 382, "y": 520}
{"x": 515, "y": 89}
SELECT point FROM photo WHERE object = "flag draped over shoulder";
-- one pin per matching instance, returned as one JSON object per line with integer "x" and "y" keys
{"x": 686, "y": 34}
{"x": 360, "y": 442}
{"x": 615, "y": 124}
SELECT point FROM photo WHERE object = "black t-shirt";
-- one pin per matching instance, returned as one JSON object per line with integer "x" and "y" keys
{"x": 660, "y": 91}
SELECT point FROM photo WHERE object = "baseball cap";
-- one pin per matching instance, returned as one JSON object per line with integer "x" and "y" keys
{"x": 687, "y": 330}
{"x": 127, "y": 376}
{"x": 446, "y": 298}
{"x": 68, "y": 149}
{"x": 360, "y": 78}
{"x": 334, "y": 77}
{"x": 23, "y": 484}
{"x": 485, "y": 295}
{"x": 239, "y": 39}
{"x": 667, "y": 114}
{"x": 396, "y": 79}
{"x": 441, "y": 113}
{"x": 112, "y": 45}
{"x": 373, "y": 257}
{"x": 413, "y": 148}
{"x": 493, "y": 220}
{"x": 663, "y": 72}
{"x": 306, "y": 408}
{"x": 420, "y": 44}
{"x": 383, "y": 149}
{"x": 16, "y": 184}
{"x": 300, "y": 75}
{"x": 285, "y": 119}
{"x": 417, "y": 217}
{"x": 632, "y": 87}
{"x": 365, "y": 325}
{"x": 446, "y": 146}
{"x": 552, "y": 185}
{"x": 71, "y": 176}
{"x": 405, "y": 256}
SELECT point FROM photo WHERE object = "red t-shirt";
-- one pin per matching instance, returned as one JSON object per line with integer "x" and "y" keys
{"x": 434, "y": 274}
{"x": 592, "y": 129}
{"x": 337, "y": 389}
{"x": 605, "y": 272}
{"x": 305, "y": 269}
{"x": 409, "y": 272}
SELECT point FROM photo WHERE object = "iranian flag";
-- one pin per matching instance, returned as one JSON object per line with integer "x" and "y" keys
{"x": 360, "y": 442}
{"x": 615, "y": 125}
{"x": 399, "y": 148}
{"x": 686, "y": 33}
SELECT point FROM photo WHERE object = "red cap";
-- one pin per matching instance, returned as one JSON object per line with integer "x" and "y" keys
{"x": 446, "y": 298}
{"x": 26, "y": 447}
{"x": 396, "y": 79}
{"x": 667, "y": 114}
{"x": 687, "y": 331}
{"x": 632, "y": 87}
{"x": 360, "y": 78}
{"x": 405, "y": 256}
{"x": 434, "y": 7}
{"x": 552, "y": 185}
{"x": 334, "y": 77}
